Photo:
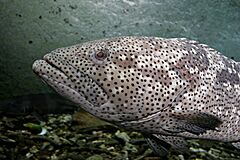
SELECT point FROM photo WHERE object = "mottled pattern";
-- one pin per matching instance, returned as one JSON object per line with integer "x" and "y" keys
{"x": 169, "y": 89}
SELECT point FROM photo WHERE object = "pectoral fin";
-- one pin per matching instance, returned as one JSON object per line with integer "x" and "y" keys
{"x": 161, "y": 144}
{"x": 193, "y": 122}
{"x": 158, "y": 146}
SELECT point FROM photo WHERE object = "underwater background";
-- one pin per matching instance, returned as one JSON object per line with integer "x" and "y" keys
{"x": 30, "y": 29}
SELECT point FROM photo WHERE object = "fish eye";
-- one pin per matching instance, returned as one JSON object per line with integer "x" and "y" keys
{"x": 98, "y": 56}
{"x": 101, "y": 55}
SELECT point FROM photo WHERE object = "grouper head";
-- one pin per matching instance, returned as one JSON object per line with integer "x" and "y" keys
{"x": 118, "y": 79}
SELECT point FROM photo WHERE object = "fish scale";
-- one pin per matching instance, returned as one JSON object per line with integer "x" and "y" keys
{"x": 168, "y": 89}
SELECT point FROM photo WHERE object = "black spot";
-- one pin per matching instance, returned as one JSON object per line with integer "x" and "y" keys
{"x": 104, "y": 32}
{"x": 19, "y": 15}
{"x": 73, "y": 6}
{"x": 66, "y": 20}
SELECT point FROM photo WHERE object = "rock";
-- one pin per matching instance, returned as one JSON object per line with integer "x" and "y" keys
{"x": 95, "y": 157}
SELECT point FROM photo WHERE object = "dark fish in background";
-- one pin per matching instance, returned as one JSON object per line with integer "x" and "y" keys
{"x": 168, "y": 89}
{"x": 40, "y": 104}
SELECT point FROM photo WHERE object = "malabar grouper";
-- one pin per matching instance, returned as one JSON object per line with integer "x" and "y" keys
{"x": 168, "y": 89}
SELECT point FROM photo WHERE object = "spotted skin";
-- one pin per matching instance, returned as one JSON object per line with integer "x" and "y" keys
{"x": 166, "y": 88}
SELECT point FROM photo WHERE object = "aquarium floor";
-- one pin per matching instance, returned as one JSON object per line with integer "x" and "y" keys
{"x": 77, "y": 137}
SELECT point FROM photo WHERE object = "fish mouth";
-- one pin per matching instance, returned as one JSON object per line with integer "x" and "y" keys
{"x": 46, "y": 72}
{"x": 69, "y": 81}
{"x": 49, "y": 72}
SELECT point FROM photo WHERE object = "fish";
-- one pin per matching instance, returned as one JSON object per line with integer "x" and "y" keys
{"x": 169, "y": 89}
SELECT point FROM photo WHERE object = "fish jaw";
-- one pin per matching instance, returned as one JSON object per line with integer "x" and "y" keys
{"x": 84, "y": 91}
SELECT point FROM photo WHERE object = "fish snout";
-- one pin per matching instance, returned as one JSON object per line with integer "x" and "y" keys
{"x": 37, "y": 65}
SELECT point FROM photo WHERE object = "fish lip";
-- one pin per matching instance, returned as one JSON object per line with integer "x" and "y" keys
{"x": 47, "y": 58}
{"x": 39, "y": 71}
